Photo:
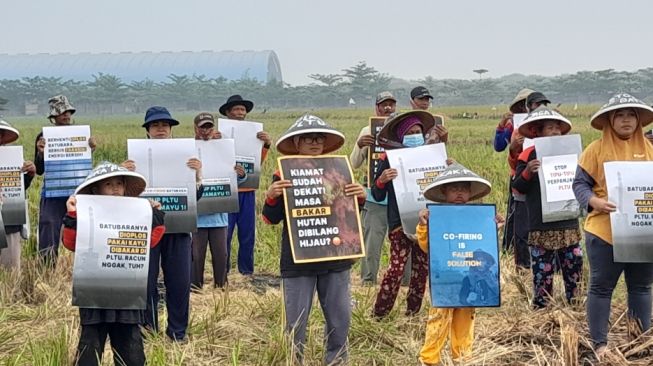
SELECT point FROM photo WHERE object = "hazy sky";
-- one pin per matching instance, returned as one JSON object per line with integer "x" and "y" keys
{"x": 407, "y": 39}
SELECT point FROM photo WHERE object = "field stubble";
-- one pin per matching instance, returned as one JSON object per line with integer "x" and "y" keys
{"x": 242, "y": 325}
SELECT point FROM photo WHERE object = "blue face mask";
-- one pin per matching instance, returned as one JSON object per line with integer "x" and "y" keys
{"x": 413, "y": 140}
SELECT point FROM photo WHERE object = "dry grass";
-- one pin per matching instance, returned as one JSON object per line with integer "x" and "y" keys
{"x": 242, "y": 325}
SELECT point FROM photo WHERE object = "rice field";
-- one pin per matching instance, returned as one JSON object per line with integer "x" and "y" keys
{"x": 242, "y": 325}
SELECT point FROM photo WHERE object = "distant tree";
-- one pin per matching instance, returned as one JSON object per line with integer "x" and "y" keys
{"x": 480, "y": 72}
{"x": 327, "y": 79}
{"x": 365, "y": 81}
{"x": 2, "y": 104}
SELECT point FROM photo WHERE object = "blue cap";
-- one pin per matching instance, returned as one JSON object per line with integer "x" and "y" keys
{"x": 156, "y": 113}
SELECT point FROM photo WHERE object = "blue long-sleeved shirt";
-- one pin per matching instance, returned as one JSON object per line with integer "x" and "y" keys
{"x": 502, "y": 137}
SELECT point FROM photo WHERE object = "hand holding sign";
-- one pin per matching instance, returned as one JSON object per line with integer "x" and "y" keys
{"x": 602, "y": 205}
{"x": 355, "y": 189}
{"x": 388, "y": 175}
{"x": 276, "y": 189}
{"x": 533, "y": 166}
{"x": 365, "y": 140}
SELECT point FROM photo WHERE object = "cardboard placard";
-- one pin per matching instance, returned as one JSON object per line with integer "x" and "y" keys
{"x": 463, "y": 256}
{"x": 415, "y": 173}
{"x": 112, "y": 252}
{"x": 323, "y": 224}
{"x": 169, "y": 181}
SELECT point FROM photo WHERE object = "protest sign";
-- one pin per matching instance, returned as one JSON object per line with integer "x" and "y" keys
{"x": 630, "y": 188}
{"x": 414, "y": 174}
{"x": 323, "y": 224}
{"x": 67, "y": 159}
{"x": 12, "y": 190}
{"x": 375, "y": 151}
{"x": 463, "y": 256}
{"x": 163, "y": 164}
{"x": 219, "y": 178}
{"x": 558, "y": 156}
{"x": 248, "y": 147}
{"x": 517, "y": 121}
{"x": 112, "y": 252}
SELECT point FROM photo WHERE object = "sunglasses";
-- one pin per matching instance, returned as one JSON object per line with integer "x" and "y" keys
{"x": 309, "y": 139}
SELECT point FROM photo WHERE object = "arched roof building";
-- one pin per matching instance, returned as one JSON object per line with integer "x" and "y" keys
{"x": 137, "y": 66}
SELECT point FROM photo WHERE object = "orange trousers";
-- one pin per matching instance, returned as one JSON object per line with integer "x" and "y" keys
{"x": 443, "y": 323}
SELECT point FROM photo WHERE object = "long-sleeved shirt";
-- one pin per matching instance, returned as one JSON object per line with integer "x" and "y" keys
{"x": 529, "y": 184}
{"x": 502, "y": 137}
{"x": 88, "y": 316}
{"x": 274, "y": 212}
{"x": 382, "y": 191}
{"x": 358, "y": 157}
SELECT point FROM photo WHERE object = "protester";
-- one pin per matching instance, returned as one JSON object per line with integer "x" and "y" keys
{"x": 374, "y": 216}
{"x": 173, "y": 254}
{"x": 516, "y": 232}
{"x": 404, "y": 130}
{"x": 456, "y": 185}
{"x": 122, "y": 326}
{"x": 554, "y": 245}
{"x": 621, "y": 121}
{"x": 53, "y": 209}
{"x": 10, "y": 256}
{"x": 311, "y": 136}
{"x": 237, "y": 108}
{"x": 211, "y": 228}
{"x": 420, "y": 100}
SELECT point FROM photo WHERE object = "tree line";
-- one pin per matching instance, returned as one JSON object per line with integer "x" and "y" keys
{"x": 107, "y": 93}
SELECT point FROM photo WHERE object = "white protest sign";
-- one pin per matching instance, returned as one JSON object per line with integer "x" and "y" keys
{"x": 248, "y": 147}
{"x": 219, "y": 178}
{"x": 517, "y": 121}
{"x": 630, "y": 188}
{"x": 169, "y": 180}
{"x": 558, "y": 156}
{"x": 414, "y": 174}
{"x": 559, "y": 172}
{"x": 112, "y": 252}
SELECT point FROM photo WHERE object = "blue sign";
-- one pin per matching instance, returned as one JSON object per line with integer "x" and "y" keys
{"x": 463, "y": 256}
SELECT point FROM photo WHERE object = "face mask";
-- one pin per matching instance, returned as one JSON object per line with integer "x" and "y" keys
{"x": 413, "y": 140}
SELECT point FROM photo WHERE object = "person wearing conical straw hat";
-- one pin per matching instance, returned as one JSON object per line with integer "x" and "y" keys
{"x": 122, "y": 326}
{"x": 374, "y": 216}
{"x": 621, "y": 121}
{"x": 10, "y": 256}
{"x": 515, "y": 235}
{"x": 52, "y": 210}
{"x": 408, "y": 129}
{"x": 311, "y": 136}
{"x": 457, "y": 185}
{"x": 552, "y": 244}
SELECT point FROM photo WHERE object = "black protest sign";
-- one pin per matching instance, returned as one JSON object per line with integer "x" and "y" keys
{"x": 375, "y": 151}
{"x": 323, "y": 224}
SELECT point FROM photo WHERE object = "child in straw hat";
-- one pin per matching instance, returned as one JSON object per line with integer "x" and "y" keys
{"x": 10, "y": 256}
{"x": 554, "y": 245}
{"x": 311, "y": 136}
{"x": 621, "y": 121}
{"x": 122, "y": 326}
{"x": 457, "y": 185}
